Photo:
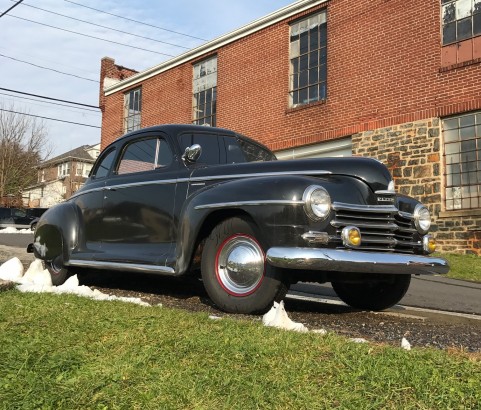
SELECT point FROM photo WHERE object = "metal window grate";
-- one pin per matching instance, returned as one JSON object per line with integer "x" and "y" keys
{"x": 462, "y": 152}
{"x": 132, "y": 110}
{"x": 205, "y": 92}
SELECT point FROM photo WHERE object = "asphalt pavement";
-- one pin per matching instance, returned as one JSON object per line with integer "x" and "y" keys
{"x": 429, "y": 292}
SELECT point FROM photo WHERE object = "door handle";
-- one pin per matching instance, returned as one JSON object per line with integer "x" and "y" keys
{"x": 110, "y": 189}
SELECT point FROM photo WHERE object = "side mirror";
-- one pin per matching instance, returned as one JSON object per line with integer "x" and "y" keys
{"x": 192, "y": 153}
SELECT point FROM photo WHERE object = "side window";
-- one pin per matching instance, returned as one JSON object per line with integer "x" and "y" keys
{"x": 145, "y": 155}
{"x": 104, "y": 165}
{"x": 255, "y": 153}
{"x": 164, "y": 155}
{"x": 209, "y": 143}
{"x": 19, "y": 213}
{"x": 139, "y": 156}
{"x": 233, "y": 151}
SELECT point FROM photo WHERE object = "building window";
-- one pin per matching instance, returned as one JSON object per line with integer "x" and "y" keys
{"x": 63, "y": 169}
{"x": 132, "y": 110}
{"x": 79, "y": 169}
{"x": 461, "y": 19}
{"x": 42, "y": 177}
{"x": 205, "y": 92}
{"x": 462, "y": 148}
{"x": 308, "y": 55}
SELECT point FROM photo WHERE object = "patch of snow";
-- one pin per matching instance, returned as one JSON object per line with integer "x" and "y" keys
{"x": 41, "y": 249}
{"x": 11, "y": 229}
{"x": 405, "y": 344}
{"x": 213, "y": 317}
{"x": 38, "y": 280}
{"x": 277, "y": 317}
{"x": 358, "y": 340}
{"x": 11, "y": 270}
{"x": 321, "y": 332}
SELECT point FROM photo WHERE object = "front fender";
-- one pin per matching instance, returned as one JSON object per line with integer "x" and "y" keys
{"x": 57, "y": 232}
{"x": 274, "y": 204}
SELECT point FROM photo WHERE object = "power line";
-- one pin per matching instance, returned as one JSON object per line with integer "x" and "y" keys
{"x": 51, "y": 119}
{"x": 49, "y": 102}
{"x": 89, "y": 36}
{"x": 48, "y": 98}
{"x": 15, "y": 5}
{"x": 136, "y": 21}
{"x": 108, "y": 28}
{"x": 47, "y": 68}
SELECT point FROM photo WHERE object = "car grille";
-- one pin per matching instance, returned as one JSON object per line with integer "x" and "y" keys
{"x": 383, "y": 227}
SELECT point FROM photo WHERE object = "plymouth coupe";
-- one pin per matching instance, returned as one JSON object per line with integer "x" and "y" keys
{"x": 194, "y": 200}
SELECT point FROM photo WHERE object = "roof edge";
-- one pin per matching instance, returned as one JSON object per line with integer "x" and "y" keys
{"x": 257, "y": 25}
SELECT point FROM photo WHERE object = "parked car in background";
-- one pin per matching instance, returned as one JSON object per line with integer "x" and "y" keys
{"x": 19, "y": 218}
{"x": 192, "y": 200}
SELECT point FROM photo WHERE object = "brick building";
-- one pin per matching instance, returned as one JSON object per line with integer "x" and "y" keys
{"x": 396, "y": 80}
{"x": 60, "y": 177}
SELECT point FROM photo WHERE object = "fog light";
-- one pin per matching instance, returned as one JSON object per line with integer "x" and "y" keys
{"x": 351, "y": 236}
{"x": 429, "y": 243}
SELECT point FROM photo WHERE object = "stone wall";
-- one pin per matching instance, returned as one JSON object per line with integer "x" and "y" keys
{"x": 413, "y": 153}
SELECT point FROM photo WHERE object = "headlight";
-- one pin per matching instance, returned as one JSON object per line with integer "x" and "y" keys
{"x": 422, "y": 218}
{"x": 391, "y": 187}
{"x": 317, "y": 202}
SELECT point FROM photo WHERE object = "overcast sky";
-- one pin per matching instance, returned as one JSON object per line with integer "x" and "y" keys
{"x": 39, "y": 45}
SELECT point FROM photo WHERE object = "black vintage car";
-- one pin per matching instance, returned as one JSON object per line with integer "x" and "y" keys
{"x": 179, "y": 199}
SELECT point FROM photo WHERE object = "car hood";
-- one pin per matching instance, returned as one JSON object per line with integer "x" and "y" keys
{"x": 369, "y": 170}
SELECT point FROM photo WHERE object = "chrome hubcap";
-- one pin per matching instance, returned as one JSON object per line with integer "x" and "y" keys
{"x": 240, "y": 265}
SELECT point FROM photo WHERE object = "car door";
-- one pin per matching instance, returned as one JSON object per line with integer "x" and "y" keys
{"x": 138, "y": 203}
{"x": 89, "y": 200}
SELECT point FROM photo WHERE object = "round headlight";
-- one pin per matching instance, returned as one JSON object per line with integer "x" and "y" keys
{"x": 422, "y": 218}
{"x": 317, "y": 202}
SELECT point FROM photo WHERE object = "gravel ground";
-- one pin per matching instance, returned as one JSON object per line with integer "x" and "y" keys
{"x": 435, "y": 331}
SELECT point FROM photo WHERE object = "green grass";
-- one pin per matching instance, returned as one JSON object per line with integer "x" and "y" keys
{"x": 66, "y": 352}
{"x": 465, "y": 267}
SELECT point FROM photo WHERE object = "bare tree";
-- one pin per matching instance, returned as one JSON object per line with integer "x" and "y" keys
{"x": 23, "y": 145}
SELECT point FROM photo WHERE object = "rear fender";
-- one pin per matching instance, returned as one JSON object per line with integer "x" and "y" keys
{"x": 57, "y": 232}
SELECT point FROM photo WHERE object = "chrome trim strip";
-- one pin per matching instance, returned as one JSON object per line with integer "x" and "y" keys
{"x": 260, "y": 174}
{"x": 340, "y": 260}
{"x": 406, "y": 215}
{"x": 385, "y": 192}
{"x": 250, "y": 203}
{"x": 128, "y": 267}
{"x": 202, "y": 179}
{"x": 342, "y": 206}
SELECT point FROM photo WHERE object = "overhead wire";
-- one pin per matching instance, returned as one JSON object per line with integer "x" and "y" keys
{"x": 11, "y": 8}
{"x": 50, "y": 102}
{"x": 48, "y": 98}
{"x": 89, "y": 36}
{"x": 136, "y": 21}
{"x": 48, "y": 68}
{"x": 106, "y": 27}
{"x": 49, "y": 118}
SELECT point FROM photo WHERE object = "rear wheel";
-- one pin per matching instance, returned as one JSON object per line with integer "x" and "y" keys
{"x": 373, "y": 294}
{"x": 58, "y": 272}
{"x": 234, "y": 269}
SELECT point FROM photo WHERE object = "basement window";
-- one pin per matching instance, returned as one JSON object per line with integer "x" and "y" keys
{"x": 204, "y": 97}
{"x": 132, "y": 110}
{"x": 462, "y": 150}
{"x": 308, "y": 60}
{"x": 461, "y": 19}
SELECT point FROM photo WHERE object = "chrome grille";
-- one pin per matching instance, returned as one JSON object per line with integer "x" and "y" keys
{"x": 383, "y": 227}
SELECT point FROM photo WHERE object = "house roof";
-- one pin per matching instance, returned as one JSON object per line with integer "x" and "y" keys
{"x": 79, "y": 153}
{"x": 259, "y": 24}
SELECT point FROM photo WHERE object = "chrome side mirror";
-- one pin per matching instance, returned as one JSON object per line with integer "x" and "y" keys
{"x": 192, "y": 153}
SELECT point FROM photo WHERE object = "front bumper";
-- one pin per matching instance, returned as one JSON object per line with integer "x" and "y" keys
{"x": 343, "y": 260}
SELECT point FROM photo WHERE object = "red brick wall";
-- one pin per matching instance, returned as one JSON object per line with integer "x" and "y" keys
{"x": 384, "y": 68}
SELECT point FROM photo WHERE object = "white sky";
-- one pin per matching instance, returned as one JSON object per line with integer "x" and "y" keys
{"x": 79, "y": 55}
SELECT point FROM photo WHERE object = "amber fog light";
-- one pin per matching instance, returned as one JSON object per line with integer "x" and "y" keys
{"x": 351, "y": 236}
{"x": 429, "y": 243}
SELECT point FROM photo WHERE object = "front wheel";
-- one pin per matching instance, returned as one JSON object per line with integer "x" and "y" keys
{"x": 58, "y": 272}
{"x": 373, "y": 294}
{"x": 234, "y": 269}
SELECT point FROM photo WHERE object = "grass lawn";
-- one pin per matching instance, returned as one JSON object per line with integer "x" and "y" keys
{"x": 465, "y": 267}
{"x": 66, "y": 352}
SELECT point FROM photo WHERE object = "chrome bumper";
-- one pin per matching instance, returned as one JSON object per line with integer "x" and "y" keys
{"x": 344, "y": 260}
